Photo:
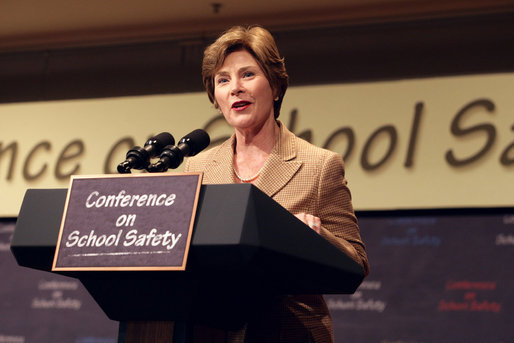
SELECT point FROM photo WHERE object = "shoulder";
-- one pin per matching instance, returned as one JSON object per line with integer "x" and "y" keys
{"x": 301, "y": 147}
{"x": 198, "y": 162}
{"x": 315, "y": 156}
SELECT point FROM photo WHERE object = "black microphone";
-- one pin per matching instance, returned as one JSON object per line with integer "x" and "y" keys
{"x": 173, "y": 155}
{"x": 139, "y": 158}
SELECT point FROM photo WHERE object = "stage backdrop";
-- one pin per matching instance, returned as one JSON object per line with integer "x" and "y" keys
{"x": 438, "y": 142}
{"x": 436, "y": 276}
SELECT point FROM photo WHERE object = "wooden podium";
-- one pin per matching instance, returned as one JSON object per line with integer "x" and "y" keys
{"x": 245, "y": 248}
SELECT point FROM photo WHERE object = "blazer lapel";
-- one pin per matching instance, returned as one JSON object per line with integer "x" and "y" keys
{"x": 281, "y": 165}
{"x": 219, "y": 169}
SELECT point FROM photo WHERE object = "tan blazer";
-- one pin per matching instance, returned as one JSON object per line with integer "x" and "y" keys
{"x": 302, "y": 178}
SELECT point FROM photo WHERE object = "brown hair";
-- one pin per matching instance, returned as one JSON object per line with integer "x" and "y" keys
{"x": 260, "y": 44}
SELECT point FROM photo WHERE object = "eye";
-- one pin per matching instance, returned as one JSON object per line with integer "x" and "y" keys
{"x": 248, "y": 73}
{"x": 221, "y": 80}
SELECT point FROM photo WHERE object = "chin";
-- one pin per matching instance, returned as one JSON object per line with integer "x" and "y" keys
{"x": 242, "y": 121}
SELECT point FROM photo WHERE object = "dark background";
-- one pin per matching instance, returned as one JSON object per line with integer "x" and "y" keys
{"x": 471, "y": 44}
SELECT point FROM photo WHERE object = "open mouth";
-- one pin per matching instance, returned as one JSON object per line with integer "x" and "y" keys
{"x": 240, "y": 105}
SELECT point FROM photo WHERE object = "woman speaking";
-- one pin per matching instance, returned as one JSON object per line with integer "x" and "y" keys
{"x": 246, "y": 80}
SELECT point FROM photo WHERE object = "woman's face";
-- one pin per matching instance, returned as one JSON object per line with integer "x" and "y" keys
{"x": 243, "y": 92}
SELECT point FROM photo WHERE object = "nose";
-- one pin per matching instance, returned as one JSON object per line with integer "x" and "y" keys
{"x": 237, "y": 87}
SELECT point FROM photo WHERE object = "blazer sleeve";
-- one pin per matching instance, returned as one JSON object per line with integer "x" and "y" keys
{"x": 335, "y": 209}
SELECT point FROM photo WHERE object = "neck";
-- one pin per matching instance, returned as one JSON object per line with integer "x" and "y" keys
{"x": 259, "y": 140}
{"x": 252, "y": 150}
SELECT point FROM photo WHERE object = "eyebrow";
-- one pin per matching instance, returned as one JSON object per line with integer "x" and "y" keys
{"x": 223, "y": 72}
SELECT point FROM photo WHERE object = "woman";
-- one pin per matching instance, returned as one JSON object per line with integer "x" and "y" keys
{"x": 245, "y": 78}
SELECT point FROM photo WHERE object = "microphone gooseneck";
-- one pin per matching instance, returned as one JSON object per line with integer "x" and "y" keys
{"x": 173, "y": 155}
{"x": 139, "y": 158}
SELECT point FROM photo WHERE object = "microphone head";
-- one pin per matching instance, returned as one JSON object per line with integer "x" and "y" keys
{"x": 196, "y": 140}
{"x": 158, "y": 142}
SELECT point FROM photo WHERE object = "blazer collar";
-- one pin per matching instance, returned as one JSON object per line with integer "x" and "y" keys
{"x": 281, "y": 165}
{"x": 278, "y": 170}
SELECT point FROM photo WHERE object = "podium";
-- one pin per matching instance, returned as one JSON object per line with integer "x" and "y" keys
{"x": 245, "y": 248}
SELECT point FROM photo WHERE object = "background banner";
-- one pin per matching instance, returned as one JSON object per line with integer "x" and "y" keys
{"x": 436, "y": 276}
{"x": 426, "y": 143}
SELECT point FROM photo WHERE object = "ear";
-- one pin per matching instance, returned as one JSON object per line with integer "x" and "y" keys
{"x": 212, "y": 98}
{"x": 274, "y": 92}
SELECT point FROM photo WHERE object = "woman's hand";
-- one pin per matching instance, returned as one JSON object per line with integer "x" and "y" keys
{"x": 312, "y": 221}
